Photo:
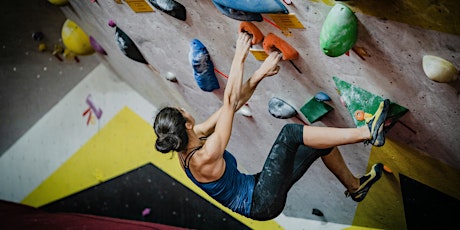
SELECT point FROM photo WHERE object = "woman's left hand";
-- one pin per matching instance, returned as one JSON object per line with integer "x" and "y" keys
{"x": 243, "y": 43}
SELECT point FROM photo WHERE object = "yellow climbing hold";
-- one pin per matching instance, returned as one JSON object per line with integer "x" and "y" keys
{"x": 75, "y": 39}
{"x": 58, "y": 2}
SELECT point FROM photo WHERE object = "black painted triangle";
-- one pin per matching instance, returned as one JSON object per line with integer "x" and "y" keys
{"x": 147, "y": 194}
{"x": 428, "y": 208}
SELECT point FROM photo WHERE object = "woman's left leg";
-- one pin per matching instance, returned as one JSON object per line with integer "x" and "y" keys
{"x": 286, "y": 163}
{"x": 329, "y": 137}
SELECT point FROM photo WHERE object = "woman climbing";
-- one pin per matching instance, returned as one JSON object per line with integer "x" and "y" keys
{"x": 201, "y": 147}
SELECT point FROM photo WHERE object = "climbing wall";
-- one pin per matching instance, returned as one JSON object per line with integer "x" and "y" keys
{"x": 391, "y": 46}
{"x": 386, "y": 62}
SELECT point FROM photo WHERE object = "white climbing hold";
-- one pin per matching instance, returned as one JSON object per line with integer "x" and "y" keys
{"x": 439, "y": 69}
{"x": 245, "y": 111}
{"x": 170, "y": 76}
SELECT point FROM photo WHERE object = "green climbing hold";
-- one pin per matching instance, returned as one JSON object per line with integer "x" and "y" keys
{"x": 339, "y": 31}
{"x": 356, "y": 98}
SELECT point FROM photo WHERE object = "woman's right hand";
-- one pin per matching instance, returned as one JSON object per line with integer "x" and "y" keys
{"x": 270, "y": 66}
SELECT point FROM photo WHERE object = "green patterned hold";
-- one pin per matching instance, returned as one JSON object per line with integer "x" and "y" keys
{"x": 339, "y": 32}
{"x": 356, "y": 98}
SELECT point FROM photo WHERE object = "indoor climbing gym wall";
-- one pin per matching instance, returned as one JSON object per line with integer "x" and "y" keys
{"x": 340, "y": 60}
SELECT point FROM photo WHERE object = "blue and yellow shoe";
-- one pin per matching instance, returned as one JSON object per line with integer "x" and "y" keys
{"x": 376, "y": 124}
{"x": 366, "y": 182}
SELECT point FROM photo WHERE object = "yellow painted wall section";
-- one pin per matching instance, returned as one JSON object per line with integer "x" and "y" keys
{"x": 385, "y": 195}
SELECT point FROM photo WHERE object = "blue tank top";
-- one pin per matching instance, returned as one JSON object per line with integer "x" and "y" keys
{"x": 234, "y": 189}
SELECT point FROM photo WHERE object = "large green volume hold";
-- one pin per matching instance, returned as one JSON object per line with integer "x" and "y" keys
{"x": 339, "y": 32}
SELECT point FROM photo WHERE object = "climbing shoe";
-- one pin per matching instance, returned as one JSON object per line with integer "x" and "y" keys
{"x": 365, "y": 183}
{"x": 376, "y": 124}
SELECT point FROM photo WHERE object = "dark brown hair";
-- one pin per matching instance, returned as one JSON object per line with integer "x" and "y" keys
{"x": 169, "y": 126}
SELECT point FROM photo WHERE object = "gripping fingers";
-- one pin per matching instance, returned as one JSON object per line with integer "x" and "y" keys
{"x": 243, "y": 44}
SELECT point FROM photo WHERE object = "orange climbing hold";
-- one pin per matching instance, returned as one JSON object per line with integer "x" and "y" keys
{"x": 359, "y": 115}
{"x": 387, "y": 169}
{"x": 250, "y": 28}
{"x": 273, "y": 42}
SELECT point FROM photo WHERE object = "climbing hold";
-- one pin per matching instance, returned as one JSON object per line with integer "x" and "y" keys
{"x": 38, "y": 36}
{"x": 126, "y": 45}
{"x": 314, "y": 110}
{"x": 238, "y": 14}
{"x": 75, "y": 39}
{"x": 343, "y": 102}
{"x": 170, "y": 7}
{"x": 339, "y": 32}
{"x": 439, "y": 69}
{"x": 273, "y": 42}
{"x": 68, "y": 54}
{"x": 321, "y": 96}
{"x": 245, "y": 111}
{"x": 146, "y": 211}
{"x": 112, "y": 23}
{"x": 41, "y": 47}
{"x": 170, "y": 77}
{"x": 317, "y": 212}
{"x": 281, "y": 109}
{"x": 361, "y": 51}
{"x": 250, "y": 28}
{"x": 96, "y": 46}
{"x": 58, "y": 2}
{"x": 255, "y": 6}
{"x": 387, "y": 169}
{"x": 359, "y": 115}
{"x": 203, "y": 68}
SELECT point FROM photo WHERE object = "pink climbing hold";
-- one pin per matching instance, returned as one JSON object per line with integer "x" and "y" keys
{"x": 146, "y": 211}
{"x": 112, "y": 23}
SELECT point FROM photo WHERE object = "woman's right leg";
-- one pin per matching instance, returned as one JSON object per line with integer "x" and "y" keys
{"x": 335, "y": 163}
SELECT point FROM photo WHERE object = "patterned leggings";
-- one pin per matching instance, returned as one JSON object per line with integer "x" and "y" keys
{"x": 286, "y": 163}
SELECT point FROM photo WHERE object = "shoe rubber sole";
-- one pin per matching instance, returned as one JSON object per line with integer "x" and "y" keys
{"x": 373, "y": 176}
{"x": 376, "y": 124}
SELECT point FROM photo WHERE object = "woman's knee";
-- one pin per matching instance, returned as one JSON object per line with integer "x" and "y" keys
{"x": 291, "y": 133}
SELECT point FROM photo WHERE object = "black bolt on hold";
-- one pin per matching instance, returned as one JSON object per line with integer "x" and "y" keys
{"x": 317, "y": 212}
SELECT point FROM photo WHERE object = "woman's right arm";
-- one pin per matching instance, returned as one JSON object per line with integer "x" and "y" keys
{"x": 268, "y": 68}
{"x": 217, "y": 142}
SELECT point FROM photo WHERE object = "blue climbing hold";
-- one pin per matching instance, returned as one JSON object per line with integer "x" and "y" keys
{"x": 255, "y": 6}
{"x": 321, "y": 96}
{"x": 203, "y": 68}
{"x": 238, "y": 14}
